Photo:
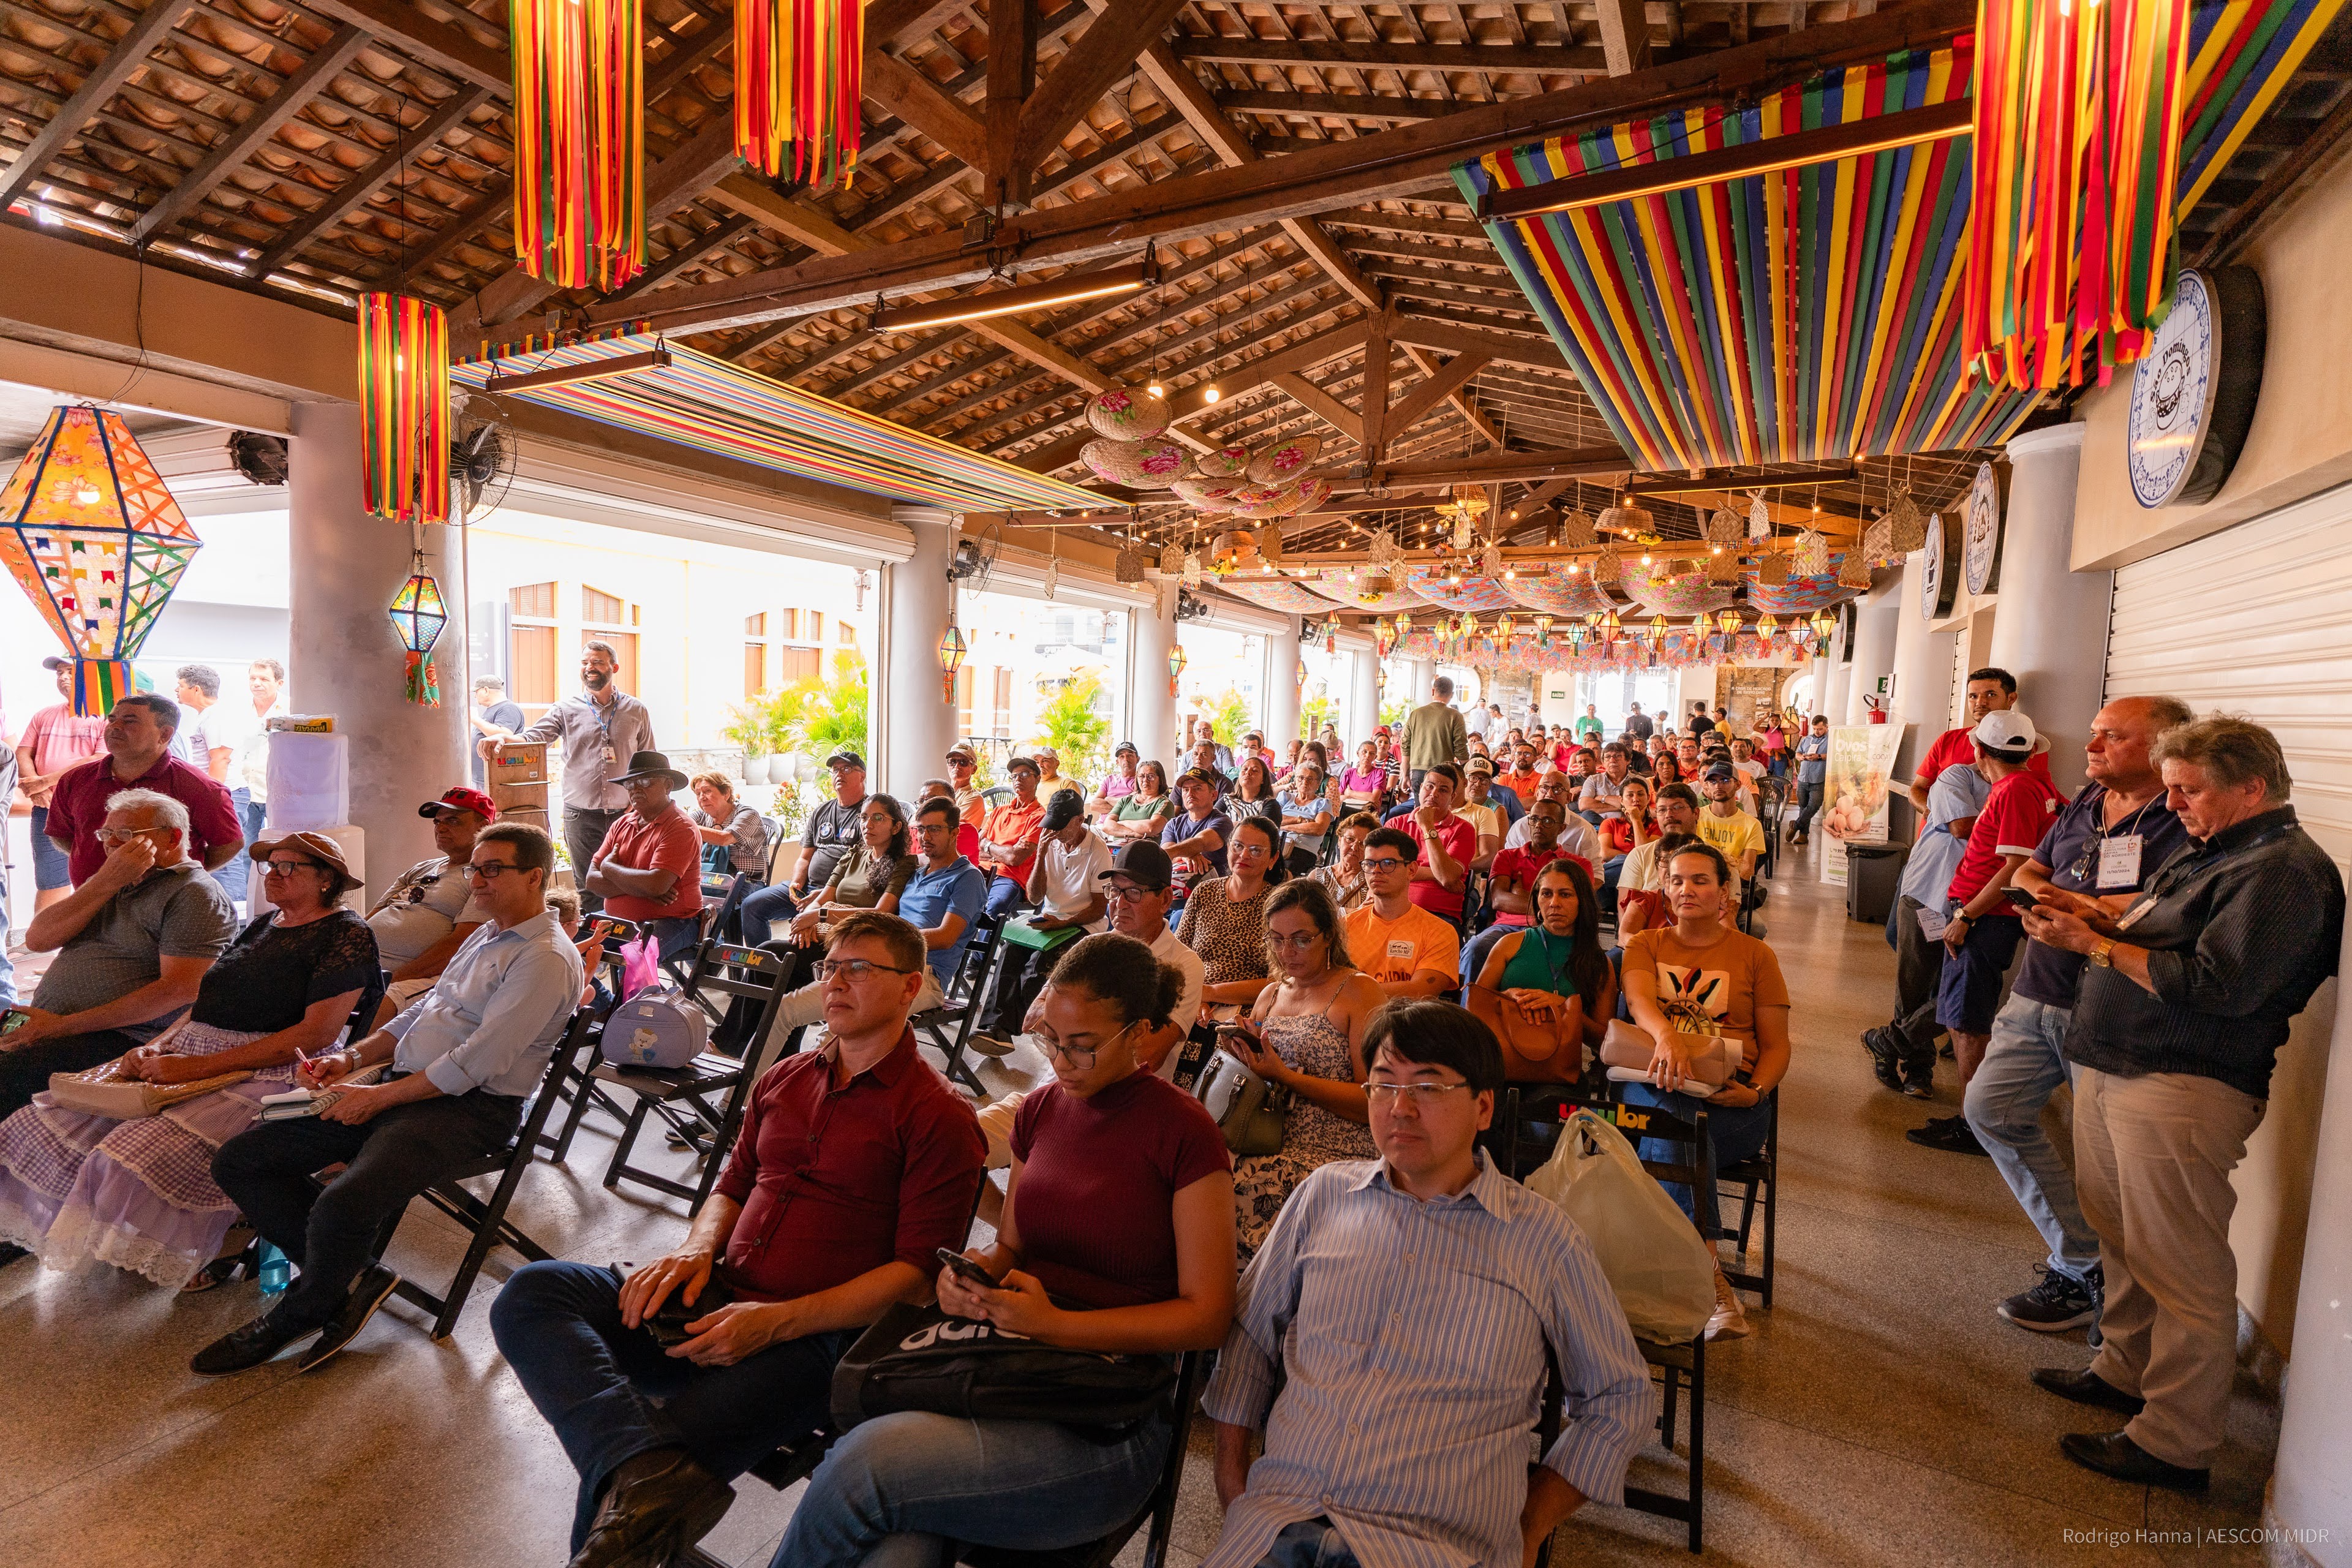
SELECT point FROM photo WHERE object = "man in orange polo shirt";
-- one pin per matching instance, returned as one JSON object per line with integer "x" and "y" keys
{"x": 649, "y": 866}
{"x": 1008, "y": 839}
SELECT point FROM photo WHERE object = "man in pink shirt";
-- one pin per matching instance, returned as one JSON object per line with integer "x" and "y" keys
{"x": 1448, "y": 844}
{"x": 649, "y": 866}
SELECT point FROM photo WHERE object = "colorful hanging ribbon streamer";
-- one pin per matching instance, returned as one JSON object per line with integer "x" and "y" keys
{"x": 404, "y": 408}
{"x": 2077, "y": 133}
{"x": 798, "y": 75}
{"x": 580, "y": 140}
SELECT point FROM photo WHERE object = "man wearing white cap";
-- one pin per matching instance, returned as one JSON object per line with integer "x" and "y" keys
{"x": 1984, "y": 927}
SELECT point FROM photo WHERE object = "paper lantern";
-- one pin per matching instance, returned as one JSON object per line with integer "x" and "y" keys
{"x": 951, "y": 650}
{"x": 97, "y": 542}
{"x": 580, "y": 140}
{"x": 404, "y": 408}
{"x": 798, "y": 78}
{"x": 418, "y": 615}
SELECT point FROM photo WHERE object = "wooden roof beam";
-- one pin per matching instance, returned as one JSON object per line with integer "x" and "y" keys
{"x": 355, "y": 193}
{"x": 445, "y": 46}
{"x": 124, "y": 60}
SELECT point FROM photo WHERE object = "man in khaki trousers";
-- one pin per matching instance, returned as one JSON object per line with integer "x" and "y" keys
{"x": 2187, "y": 998}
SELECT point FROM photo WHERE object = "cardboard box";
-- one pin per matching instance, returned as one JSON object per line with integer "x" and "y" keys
{"x": 519, "y": 761}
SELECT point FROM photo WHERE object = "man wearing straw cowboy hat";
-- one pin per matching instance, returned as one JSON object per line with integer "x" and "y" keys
{"x": 649, "y": 868}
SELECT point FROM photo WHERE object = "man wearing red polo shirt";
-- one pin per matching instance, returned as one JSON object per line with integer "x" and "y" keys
{"x": 1448, "y": 844}
{"x": 1990, "y": 690}
{"x": 139, "y": 756}
{"x": 649, "y": 867}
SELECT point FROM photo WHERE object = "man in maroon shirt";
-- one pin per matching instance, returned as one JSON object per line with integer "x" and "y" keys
{"x": 854, "y": 1166}
{"x": 139, "y": 756}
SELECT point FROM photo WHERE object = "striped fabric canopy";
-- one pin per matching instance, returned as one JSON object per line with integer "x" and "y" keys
{"x": 2240, "y": 54}
{"x": 722, "y": 408}
{"x": 1800, "y": 315}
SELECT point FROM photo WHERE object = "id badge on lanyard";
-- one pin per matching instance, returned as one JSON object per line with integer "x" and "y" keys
{"x": 2119, "y": 863}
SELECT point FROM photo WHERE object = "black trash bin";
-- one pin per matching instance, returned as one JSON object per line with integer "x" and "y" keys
{"x": 1873, "y": 872}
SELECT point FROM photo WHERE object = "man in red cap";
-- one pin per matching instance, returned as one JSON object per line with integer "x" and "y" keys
{"x": 429, "y": 910}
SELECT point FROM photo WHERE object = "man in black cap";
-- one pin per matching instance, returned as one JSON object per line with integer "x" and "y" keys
{"x": 649, "y": 867}
{"x": 832, "y": 830}
{"x": 1062, "y": 885}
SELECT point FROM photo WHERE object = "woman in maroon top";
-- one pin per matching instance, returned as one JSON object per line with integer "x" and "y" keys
{"x": 1119, "y": 1236}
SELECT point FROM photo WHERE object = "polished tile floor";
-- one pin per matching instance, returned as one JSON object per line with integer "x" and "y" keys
{"x": 1880, "y": 1413}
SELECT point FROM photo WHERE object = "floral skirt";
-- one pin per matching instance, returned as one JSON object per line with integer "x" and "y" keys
{"x": 139, "y": 1194}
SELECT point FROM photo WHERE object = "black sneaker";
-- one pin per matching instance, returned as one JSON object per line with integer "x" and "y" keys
{"x": 368, "y": 1292}
{"x": 1884, "y": 1058}
{"x": 2056, "y": 1304}
{"x": 1919, "y": 1083}
{"x": 1950, "y": 1133}
{"x": 241, "y": 1349}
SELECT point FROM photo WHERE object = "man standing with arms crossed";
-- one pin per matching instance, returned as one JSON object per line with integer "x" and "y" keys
{"x": 601, "y": 728}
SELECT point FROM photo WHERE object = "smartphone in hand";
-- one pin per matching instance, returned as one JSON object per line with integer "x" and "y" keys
{"x": 964, "y": 1268}
{"x": 2020, "y": 896}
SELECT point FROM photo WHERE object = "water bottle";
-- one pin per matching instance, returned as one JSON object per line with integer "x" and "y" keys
{"x": 277, "y": 1270}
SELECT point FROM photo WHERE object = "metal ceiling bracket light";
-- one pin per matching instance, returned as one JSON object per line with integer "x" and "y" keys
{"x": 1068, "y": 290}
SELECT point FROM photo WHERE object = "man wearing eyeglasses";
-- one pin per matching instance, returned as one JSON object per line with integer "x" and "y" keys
{"x": 460, "y": 1063}
{"x": 1374, "y": 1278}
{"x": 855, "y": 1163}
{"x": 132, "y": 943}
{"x": 1409, "y": 950}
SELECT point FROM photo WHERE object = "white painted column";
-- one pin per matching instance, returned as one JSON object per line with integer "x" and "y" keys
{"x": 1923, "y": 670}
{"x": 2052, "y": 628}
{"x": 344, "y": 658}
{"x": 2311, "y": 1490}
{"x": 1835, "y": 673}
{"x": 915, "y": 720}
{"x": 1363, "y": 701}
{"x": 1874, "y": 617}
{"x": 1419, "y": 673}
{"x": 1282, "y": 654}
{"x": 1148, "y": 695}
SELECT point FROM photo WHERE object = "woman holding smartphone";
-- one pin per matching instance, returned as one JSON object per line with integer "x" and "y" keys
{"x": 1306, "y": 1035}
{"x": 1118, "y": 1236}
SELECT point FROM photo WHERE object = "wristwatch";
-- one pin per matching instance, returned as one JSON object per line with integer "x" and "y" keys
{"x": 2103, "y": 954}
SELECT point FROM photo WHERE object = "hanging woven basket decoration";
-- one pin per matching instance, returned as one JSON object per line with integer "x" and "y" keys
{"x": 1576, "y": 530}
{"x": 1191, "y": 572}
{"x": 1121, "y": 415}
{"x": 1723, "y": 567}
{"x": 1053, "y": 575}
{"x": 1384, "y": 551}
{"x": 1269, "y": 543}
{"x": 1811, "y": 556}
{"x": 1853, "y": 569}
{"x": 580, "y": 140}
{"x": 1626, "y": 519}
{"x": 798, "y": 79}
{"x": 1772, "y": 571}
{"x": 1223, "y": 463}
{"x": 1129, "y": 565}
{"x": 404, "y": 408}
{"x": 1759, "y": 516}
{"x": 1142, "y": 465}
{"x": 1907, "y": 525}
{"x": 1607, "y": 567}
{"x": 1280, "y": 501}
{"x": 1286, "y": 460}
{"x": 1491, "y": 560}
{"x": 1723, "y": 527}
{"x": 1205, "y": 494}
{"x": 1878, "y": 544}
{"x": 1171, "y": 560}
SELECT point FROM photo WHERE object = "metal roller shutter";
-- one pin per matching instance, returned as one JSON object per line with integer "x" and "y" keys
{"x": 2255, "y": 620}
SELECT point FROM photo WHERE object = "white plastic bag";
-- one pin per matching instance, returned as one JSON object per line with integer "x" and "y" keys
{"x": 1662, "y": 1273}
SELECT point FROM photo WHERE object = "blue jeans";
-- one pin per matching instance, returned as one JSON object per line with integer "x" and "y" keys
{"x": 1004, "y": 896}
{"x": 611, "y": 1392}
{"x": 752, "y": 915}
{"x": 897, "y": 1489}
{"x": 2023, "y": 1067}
{"x": 1610, "y": 869}
{"x": 1309, "y": 1543}
{"x": 233, "y": 876}
{"x": 1809, "y": 801}
{"x": 1737, "y": 1131}
{"x": 52, "y": 867}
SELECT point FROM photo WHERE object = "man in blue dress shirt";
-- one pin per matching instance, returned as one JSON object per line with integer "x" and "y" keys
{"x": 463, "y": 1059}
{"x": 1407, "y": 1301}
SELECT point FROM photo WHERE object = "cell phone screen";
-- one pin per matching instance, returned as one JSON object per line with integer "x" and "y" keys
{"x": 2020, "y": 896}
{"x": 965, "y": 1268}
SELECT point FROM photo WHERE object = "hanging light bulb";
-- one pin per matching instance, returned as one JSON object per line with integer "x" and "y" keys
{"x": 1510, "y": 573}
{"x": 1157, "y": 388}
{"x": 1572, "y": 568}
{"x": 1210, "y": 394}
{"x": 1645, "y": 558}
{"x": 1719, "y": 550}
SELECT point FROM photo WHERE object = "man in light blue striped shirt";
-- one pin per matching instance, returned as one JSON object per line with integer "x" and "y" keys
{"x": 1408, "y": 1301}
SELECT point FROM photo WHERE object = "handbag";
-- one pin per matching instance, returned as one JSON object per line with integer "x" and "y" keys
{"x": 1627, "y": 1051}
{"x": 1247, "y": 1110}
{"x": 920, "y": 1358}
{"x": 1551, "y": 1045}
{"x": 104, "y": 1091}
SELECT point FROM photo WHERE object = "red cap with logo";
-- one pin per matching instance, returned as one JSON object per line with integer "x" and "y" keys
{"x": 461, "y": 799}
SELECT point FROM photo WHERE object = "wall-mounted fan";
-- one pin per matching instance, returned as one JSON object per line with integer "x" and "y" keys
{"x": 260, "y": 458}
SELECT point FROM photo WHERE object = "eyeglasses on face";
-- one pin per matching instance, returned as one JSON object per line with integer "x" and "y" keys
{"x": 489, "y": 870}
{"x": 854, "y": 970}
{"x": 278, "y": 868}
{"x": 114, "y": 836}
{"x": 1383, "y": 863}
{"x": 1082, "y": 1057}
{"x": 1419, "y": 1096}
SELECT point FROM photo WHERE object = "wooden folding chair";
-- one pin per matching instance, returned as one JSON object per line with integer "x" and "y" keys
{"x": 947, "y": 1027}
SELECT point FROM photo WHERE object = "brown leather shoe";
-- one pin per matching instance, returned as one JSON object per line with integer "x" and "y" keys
{"x": 656, "y": 1506}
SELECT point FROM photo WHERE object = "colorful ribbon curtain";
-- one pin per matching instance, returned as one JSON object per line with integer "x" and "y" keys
{"x": 1798, "y": 315}
{"x": 580, "y": 140}
{"x": 2242, "y": 53}
{"x": 707, "y": 403}
{"x": 404, "y": 408}
{"x": 91, "y": 533}
{"x": 2077, "y": 133}
{"x": 798, "y": 75}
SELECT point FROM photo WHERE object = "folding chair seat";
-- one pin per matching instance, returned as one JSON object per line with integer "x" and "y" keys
{"x": 1752, "y": 1177}
{"x": 947, "y": 1028}
{"x": 486, "y": 1218}
{"x": 703, "y": 1100}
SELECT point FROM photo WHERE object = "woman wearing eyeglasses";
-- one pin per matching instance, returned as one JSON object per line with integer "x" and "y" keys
{"x": 1118, "y": 1236}
{"x": 870, "y": 877}
{"x": 1306, "y": 1035}
{"x": 139, "y": 1194}
{"x": 1225, "y": 918}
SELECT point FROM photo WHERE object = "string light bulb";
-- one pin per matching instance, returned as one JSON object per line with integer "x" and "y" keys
{"x": 1210, "y": 394}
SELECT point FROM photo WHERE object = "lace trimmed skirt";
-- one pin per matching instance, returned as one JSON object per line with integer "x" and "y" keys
{"x": 139, "y": 1194}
